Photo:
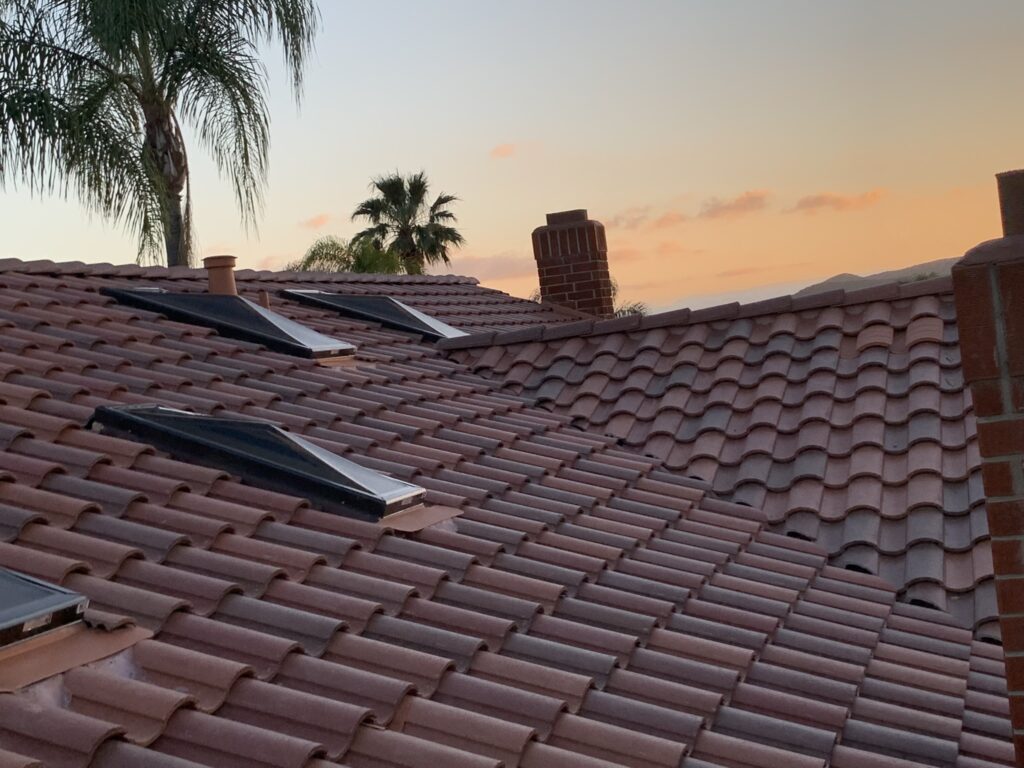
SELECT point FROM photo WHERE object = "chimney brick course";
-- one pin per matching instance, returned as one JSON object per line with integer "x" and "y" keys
{"x": 989, "y": 287}
{"x": 572, "y": 263}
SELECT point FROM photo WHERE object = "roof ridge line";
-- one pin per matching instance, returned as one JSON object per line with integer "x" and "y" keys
{"x": 839, "y": 297}
{"x": 48, "y": 266}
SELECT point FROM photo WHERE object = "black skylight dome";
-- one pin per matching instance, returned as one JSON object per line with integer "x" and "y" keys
{"x": 266, "y": 456}
{"x": 387, "y": 311}
{"x": 30, "y": 607}
{"x": 237, "y": 318}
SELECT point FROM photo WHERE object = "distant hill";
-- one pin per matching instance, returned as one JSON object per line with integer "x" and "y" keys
{"x": 848, "y": 282}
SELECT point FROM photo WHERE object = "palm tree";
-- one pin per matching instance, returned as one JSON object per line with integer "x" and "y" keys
{"x": 401, "y": 220}
{"x": 332, "y": 254}
{"x": 626, "y": 309}
{"x": 93, "y": 94}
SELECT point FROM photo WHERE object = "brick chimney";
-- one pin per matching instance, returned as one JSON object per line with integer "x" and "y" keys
{"x": 572, "y": 263}
{"x": 989, "y": 286}
{"x": 221, "y": 271}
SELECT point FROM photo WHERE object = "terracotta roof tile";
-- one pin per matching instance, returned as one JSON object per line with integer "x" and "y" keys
{"x": 261, "y": 652}
{"x": 142, "y": 709}
{"x": 501, "y": 701}
{"x": 468, "y": 731}
{"x": 43, "y": 565}
{"x": 596, "y": 597}
{"x": 13, "y": 760}
{"x": 391, "y": 749}
{"x": 421, "y": 670}
{"x": 53, "y": 735}
{"x": 382, "y": 695}
{"x": 219, "y": 741}
{"x": 311, "y": 631}
{"x": 294, "y": 713}
{"x": 617, "y": 364}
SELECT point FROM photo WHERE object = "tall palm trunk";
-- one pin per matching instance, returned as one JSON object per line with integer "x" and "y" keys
{"x": 166, "y": 149}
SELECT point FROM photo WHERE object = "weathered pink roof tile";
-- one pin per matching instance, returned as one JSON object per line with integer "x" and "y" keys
{"x": 592, "y": 606}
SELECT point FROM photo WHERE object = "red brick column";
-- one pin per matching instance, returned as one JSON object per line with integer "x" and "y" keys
{"x": 572, "y": 263}
{"x": 989, "y": 287}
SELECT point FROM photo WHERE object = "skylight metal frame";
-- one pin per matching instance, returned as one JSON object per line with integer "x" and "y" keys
{"x": 30, "y": 607}
{"x": 397, "y": 314}
{"x": 266, "y": 456}
{"x": 287, "y": 336}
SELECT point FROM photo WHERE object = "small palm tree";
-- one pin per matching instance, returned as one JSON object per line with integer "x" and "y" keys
{"x": 93, "y": 94}
{"x": 404, "y": 222}
{"x": 621, "y": 310}
{"x": 332, "y": 254}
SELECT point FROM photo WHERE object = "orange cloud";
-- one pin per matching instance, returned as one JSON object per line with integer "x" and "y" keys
{"x": 756, "y": 269}
{"x": 811, "y": 204}
{"x": 631, "y": 218}
{"x": 749, "y": 202}
{"x": 670, "y": 219}
{"x": 501, "y": 266}
{"x": 503, "y": 150}
{"x": 741, "y": 271}
{"x": 675, "y": 248}
{"x": 315, "y": 222}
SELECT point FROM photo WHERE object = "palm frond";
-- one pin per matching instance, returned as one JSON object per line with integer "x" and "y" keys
{"x": 222, "y": 87}
{"x": 69, "y": 126}
{"x": 91, "y": 92}
{"x": 404, "y": 224}
{"x": 376, "y": 234}
{"x": 372, "y": 209}
{"x": 392, "y": 191}
{"x": 332, "y": 254}
{"x": 440, "y": 203}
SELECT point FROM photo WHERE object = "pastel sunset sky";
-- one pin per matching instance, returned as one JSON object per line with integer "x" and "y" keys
{"x": 734, "y": 149}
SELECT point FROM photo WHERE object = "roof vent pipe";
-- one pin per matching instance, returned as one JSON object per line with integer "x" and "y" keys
{"x": 1011, "y": 201}
{"x": 221, "y": 270}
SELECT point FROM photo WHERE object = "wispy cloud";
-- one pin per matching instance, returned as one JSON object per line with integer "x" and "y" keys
{"x": 272, "y": 261}
{"x": 498, "y": 267}
{"x": 741, "y": 271}
{"x": 676, "y": 248}
{"x": 502, "y": 151}
{"x": 750, "y": 201}
{"x": 317, "y": 221}
{"x": 670, "y": 219}
{"x": 832, "y": 201}
{"x": 631, "y": 218}
{"x": 757, "y": 269}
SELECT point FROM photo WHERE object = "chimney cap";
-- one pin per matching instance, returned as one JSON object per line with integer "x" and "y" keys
{"x": 222, "y": 260}
{"x": 561, "y": 218}
{"x": 1011, "y": 201}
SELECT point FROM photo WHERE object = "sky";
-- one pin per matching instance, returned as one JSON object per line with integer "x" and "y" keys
{"x": 734, "y": 149}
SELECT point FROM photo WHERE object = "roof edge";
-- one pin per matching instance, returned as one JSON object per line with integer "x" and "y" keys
{"x": 730, "y": 311}
{"x": 105, "y": 269}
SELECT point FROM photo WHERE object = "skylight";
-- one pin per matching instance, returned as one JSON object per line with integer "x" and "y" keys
{"x": 237, "y": 318}
{"x": 264, "y": 455}
{"x": 30, "y": 607}
{"x": 387, "y": 311}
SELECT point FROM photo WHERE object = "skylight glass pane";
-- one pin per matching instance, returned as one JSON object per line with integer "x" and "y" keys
{"x": 386, "y": 310}
{"x": 447, "y": 331}
{"x": 30, "y": 606}
{"x": 388, "y": 488}
{"x": 314, "y": 340}
{"x": 236, "y": 317}
{"x": 265, "y": 456}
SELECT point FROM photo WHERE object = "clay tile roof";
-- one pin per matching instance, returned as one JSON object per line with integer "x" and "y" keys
{"x": 843, "y": 415}
{"x": 592, "y": 605}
